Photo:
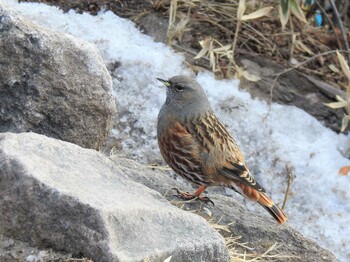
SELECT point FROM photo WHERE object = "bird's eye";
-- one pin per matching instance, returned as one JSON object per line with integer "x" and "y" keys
{"x": 179, "y": 88}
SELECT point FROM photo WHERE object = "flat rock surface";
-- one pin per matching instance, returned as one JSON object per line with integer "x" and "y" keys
{"x": 56, "y": 194}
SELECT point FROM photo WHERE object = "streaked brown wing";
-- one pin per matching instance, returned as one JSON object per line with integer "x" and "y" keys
{"x": 220, "y": 150}
{"x": 241, "y": 174}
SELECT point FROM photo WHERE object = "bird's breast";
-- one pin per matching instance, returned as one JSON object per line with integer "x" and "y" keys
{"x": 180, "y": 150}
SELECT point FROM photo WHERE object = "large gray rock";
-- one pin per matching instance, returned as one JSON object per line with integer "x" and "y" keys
{"x": 259, "y": 232}
{"x": 59, "y": 195}
{"x": 53, "y": 84}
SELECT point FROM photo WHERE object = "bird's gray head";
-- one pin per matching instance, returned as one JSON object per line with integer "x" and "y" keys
{"x": 184, "y": 95}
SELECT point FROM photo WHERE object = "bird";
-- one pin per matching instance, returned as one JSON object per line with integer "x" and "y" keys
{"x": 198, "y": 147}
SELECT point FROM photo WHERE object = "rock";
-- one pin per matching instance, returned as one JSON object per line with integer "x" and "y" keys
{"x": 31, "y": 258}
{"x": 53, "y": 84}
{"x": 17, "y": 251}
{"x": 291, "y": 88}
{"x": 259, "y": 232}
{"x": 56, "y": 194}
{"x": 263, "y": 233}
{"x": 155, "y": 25}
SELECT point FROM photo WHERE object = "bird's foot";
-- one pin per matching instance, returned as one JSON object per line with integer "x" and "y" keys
{"x": 187, "y": 196}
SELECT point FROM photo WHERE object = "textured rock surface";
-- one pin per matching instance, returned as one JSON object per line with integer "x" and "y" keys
{"x": 258, "y": 232}
{"x": 53, "y": 84}
{"x": 16, "y": 251}
{"x": 59, "y": 195}
{"x": 291, "y": 88}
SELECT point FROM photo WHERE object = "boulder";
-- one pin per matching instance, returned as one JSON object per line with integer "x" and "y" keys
{"x": 52, "y": 83}
{"x": 55, "y": 194}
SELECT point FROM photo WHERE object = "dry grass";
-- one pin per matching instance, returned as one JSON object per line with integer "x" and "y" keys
{"x": 239, "y": 251}
{"x": 79, "y": 260}
{"x": 158, "y": 167}
{"x": 214, "y": 23}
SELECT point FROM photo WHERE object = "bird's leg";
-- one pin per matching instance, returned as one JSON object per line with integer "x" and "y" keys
{"x": 195, "y": 195}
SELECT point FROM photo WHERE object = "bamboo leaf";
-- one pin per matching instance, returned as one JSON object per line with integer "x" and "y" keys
{"x": 339, "y": 98}
{"x": 304, "y": 48}
{"x": 239, "y": 72}
{"x": 241, "y": 9}
{"x": 257, "y": 14}
{"x": 296, "y": 10}
{"x": 284, "y": 6}
{"x": 251, "y": 77}
{"x": 222, "y": 49}
{"x": 205, "y": 44}
{"x": 344, "y": 123}
{"x": 284, "y": 12}
{"x": 333, "y": 68}
{"x": 344, "y": 65}
{"x": 336, "y": 105}
{"x": 212, "y": 60}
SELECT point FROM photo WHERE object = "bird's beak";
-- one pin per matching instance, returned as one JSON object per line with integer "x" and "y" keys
{"x": 165, "y": 82}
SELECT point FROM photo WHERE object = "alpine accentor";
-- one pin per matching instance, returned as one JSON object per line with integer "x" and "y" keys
{"x": 197, "y": 146}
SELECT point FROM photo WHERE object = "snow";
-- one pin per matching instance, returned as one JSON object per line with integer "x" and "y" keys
{"x": 275, "y": 139}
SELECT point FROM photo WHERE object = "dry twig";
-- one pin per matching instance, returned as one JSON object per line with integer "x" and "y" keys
{"x": 290, "y": 181}
{"x": 341, "y": 27}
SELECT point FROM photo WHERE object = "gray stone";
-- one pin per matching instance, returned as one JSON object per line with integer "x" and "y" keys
{"x": 16, "y": 251}
{"x": 52, "y": 83}
{"x": 56, "y": 194}
{"x": 258, "y": 231}
{"x": 31, "y": 258}
{"x": 291, "y": 88}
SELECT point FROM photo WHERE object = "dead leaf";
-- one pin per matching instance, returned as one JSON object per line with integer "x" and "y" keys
{"x": 241, "y": 9}
{"x": 333, "y": 68}
{"x": 336, "y": 105}
{"x": 344, "y": 171}
{"x": 240, "y": 72}
{"x": 206, "y": 46}
{"x": 257, "y": 14}
{"x": 296, "y": 10}
{"x": 303, "y": 47}
{"x": 344, "y": 123}
{"x": 344, "y": 65}
{"x": 284, "y": 12}
{"x": 339, "y": 98}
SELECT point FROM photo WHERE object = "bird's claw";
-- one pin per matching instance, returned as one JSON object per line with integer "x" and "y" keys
{"x": 206, "y": 200}
{"x": 187, "y": 196}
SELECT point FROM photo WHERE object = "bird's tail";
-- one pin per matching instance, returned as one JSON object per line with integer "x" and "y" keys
{"x": 274, "y": 210}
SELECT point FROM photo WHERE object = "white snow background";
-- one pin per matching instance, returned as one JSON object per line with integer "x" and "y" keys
{"x": 319, "y": 206}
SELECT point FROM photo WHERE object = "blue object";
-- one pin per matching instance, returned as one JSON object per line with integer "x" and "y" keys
{"x": 318, "y": 18}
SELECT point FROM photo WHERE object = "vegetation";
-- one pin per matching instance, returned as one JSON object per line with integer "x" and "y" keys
{"x": 279, "y": 31}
